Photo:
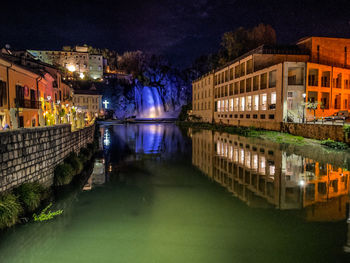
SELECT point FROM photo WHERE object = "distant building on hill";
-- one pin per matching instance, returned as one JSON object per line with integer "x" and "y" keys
{"x": 78, "y": 61}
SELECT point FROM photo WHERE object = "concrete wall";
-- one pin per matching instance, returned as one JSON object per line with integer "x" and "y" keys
{"x": 28, "y": 155}
{"x": 315, "y": 131}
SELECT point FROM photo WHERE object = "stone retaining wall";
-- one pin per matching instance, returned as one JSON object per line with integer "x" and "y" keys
{"x": 315, "y": 131}
{"x": 31, "y": 154}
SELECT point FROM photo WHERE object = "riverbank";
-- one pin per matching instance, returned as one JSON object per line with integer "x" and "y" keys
{"x": 274, "y": 136}
{"x": 18, "y": 204}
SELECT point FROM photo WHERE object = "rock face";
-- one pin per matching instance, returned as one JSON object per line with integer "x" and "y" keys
{"x": 31, "y": 154}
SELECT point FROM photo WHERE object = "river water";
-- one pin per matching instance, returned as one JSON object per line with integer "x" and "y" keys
{"x": 171, "y": 195}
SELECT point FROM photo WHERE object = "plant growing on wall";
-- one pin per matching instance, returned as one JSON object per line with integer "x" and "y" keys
{"x": 46, "y": 215}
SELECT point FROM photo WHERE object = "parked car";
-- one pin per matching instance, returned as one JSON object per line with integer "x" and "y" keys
{"x": 340, "y": 115}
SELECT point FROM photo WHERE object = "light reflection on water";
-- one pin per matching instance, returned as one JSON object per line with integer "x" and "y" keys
{"x": 160, "y": 196}
{"x": 262, "y": 174}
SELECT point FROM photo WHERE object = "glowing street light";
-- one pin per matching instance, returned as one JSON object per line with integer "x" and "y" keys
{"x": 71, "y": 68}
{"x": 81, "y": 75}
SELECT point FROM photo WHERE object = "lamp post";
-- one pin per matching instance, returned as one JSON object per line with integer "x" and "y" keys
{"x": 304, "y": 96}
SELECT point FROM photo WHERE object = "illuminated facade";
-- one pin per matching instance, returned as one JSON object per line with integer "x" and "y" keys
{"x": 78, "y": 61}
{"x": 328, "y": 75}
{"x": 271, "y": 85}
{"x": 88, "y": 101}
{"x": 262, "y": 175}
{"x": 25, "y": 90}
{"x": 202, "y": 98}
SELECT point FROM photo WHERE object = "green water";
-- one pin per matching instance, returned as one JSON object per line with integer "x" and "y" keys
{"x": 158, "y": 203}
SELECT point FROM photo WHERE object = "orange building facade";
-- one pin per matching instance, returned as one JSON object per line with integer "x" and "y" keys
{"x": 24, "y": 91}
{"x": 328, "y": 75}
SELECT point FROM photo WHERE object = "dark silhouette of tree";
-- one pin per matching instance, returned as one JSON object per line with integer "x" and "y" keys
{"x": 236, "y": 43}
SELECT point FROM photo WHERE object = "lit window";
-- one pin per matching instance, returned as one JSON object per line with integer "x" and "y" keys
{"x": 231, "y": 104}
{"x": 236, "y": 104}
{"x": 263, "y": 101}
{"x": 247, "y": 159}
{"x": 242, "y": 103}
{"x": 273, "y": 98}
{"x": 255, "y": 162}
{"x": 262, "y": 165}
{"x": 241, "y": 159}
{"x": 249, "y": 103}
{"x": 235, "y": 155}
{"x": 256, "y": 102}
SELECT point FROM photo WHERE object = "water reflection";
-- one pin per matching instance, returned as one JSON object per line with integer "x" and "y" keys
{"x": 263, "y": 175}
{"x": 98, "y": 175}
{"x": 157, "y": 140}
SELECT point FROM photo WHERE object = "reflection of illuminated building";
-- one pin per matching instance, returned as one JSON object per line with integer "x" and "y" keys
{"x": 261, "y": 174}
{"x": 98, "y": 176}
{"x": 347, "y": 246}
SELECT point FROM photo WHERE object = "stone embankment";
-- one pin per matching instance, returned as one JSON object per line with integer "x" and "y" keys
{"x": 31, "y": 154}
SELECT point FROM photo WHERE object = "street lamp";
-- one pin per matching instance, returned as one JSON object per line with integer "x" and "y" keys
{"x": 304, "y": 97}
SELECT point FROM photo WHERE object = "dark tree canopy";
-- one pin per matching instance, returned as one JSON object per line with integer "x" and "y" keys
{"x": 234, "y": 44}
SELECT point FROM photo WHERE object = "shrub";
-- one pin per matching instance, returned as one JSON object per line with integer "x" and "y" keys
{"x": 85, "y": 155}
{"x": 74, "y": 161}
{"x": 10, "y": 210}
{"x": 29, "y": 195}
{"x": 64, "y": 174}
{"x": 333, "y": 144}
{"x": 92, "y": 147}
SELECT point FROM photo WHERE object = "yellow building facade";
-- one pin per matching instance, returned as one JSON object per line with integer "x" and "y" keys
{"x": 202, "y": 98}
{"x": 88, "y": 101}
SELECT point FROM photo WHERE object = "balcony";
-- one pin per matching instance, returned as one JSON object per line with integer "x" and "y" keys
{"x": 28, "y": 104}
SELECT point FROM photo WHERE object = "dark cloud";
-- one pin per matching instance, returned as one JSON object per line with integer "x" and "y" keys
{"x": 182, "y": 29}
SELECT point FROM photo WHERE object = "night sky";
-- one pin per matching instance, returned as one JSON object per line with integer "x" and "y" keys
{"x": 182, "y": 29}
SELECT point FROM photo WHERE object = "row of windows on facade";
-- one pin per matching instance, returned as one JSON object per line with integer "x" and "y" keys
{"x": 59, "y": 54}
{"x": 246, "y": 157}
{"x": 201, "y": 94}
{"x": 202, "y": 83}
{"x": 84, "y": 66}
{"x": 20, "y": 96}
{"x": 262, "y": 81}
{"x": 324, "y": 98}
{"x": 314, "y": 80}
{"x": 247, "y": 103}
{"x": 85, "y": 100}
{"x": 235, "y": 72}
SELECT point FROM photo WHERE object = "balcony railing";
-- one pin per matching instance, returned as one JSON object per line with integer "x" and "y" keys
{"x": 29, "y": 104}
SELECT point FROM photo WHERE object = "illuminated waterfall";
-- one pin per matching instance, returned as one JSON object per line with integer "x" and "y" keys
{"x": 149, "y": 103}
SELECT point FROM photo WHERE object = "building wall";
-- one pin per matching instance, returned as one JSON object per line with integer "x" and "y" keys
{"x": 83, "y": 62}
{"x": 88, "y": 103}
{"x": 96, "y": 66}
{"x": 239, "y": 103}
{"x": 14, "y": 75}
{"x": 202, "y": 97}
{"x": 29, "y": 155}
{"x": 331, "y": 87}
{"x": 328, "y": 51}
